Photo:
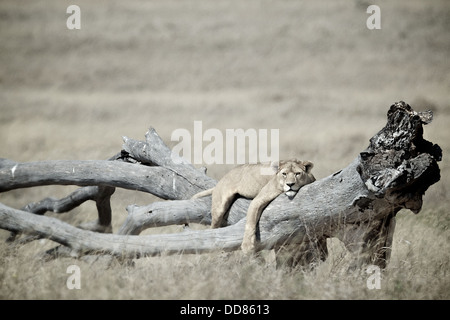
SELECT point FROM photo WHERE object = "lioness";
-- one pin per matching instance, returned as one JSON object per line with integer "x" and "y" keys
{"x": 260, "y": 182}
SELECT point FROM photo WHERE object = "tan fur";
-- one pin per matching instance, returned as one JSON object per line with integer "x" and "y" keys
{"x": 260, "y": 182}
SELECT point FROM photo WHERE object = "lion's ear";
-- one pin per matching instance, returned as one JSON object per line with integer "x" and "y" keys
{"x": 275, "y": 165}
{"x": 308, "y": 166}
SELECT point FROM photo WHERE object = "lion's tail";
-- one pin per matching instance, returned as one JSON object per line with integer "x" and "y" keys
{"x": 203, "y": 194}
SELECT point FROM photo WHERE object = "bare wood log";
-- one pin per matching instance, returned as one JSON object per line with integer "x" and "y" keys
{"x": 100, "y": 178}
{"x": 101, "y": 195}
{"x": 155, "y": 152}
{"x": 159, "y": 214}
{"x": 357, "y": 204}
{"x": 85, "y": 241}
{"x": 152, "y": 152}
{"x": 159, "y": 181}
{"x": 318, "y": 219}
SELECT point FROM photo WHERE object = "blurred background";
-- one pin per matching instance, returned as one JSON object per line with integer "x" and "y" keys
{"x": 312, "y": 70}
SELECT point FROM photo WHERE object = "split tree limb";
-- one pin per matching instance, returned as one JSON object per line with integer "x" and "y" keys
{"x": 357, "y": 204}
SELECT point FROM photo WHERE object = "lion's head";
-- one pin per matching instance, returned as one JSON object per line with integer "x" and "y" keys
{"x": 294, "y": 174}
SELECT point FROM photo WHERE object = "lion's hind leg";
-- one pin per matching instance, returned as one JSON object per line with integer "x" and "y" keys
{"x": 221, "y": 202}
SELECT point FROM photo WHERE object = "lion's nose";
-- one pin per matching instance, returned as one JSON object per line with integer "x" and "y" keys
{"x": 290, "y": 184}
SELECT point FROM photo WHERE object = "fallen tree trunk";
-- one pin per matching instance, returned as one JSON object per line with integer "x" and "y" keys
{"x": 148, "y": 166}
{"x": 91, "y": 172}
{"x": 357, "y": 204}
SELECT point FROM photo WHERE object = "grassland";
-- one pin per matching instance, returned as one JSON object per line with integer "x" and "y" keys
{"x": 312, "y": 70}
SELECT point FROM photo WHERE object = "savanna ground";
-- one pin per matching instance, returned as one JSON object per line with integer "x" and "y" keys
{"x": 313, "y": 70}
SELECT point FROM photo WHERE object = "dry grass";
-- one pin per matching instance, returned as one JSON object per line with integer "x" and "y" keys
{"x": 314, "y": 71}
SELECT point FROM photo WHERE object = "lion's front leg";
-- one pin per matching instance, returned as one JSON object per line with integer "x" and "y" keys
{"x": 253, "y": 214}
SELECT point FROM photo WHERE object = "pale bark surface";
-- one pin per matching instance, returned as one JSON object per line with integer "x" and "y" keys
{"x": 357, "y": 204}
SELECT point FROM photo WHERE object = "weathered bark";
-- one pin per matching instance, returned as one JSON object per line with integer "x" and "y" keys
{"x": 91, "y": 172}
{"x": 132, "y": 246}
{"x": 357, "y": 204}
{"x": 100, "y": 194}
{"x": 172, "y": 181}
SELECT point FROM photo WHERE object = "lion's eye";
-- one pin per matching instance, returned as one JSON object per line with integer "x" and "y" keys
{"x": 297, "y": 174}
{"x": 284, "y": 174}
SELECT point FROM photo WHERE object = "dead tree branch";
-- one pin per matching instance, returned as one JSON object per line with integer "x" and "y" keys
{"x": 357, "y": 204}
